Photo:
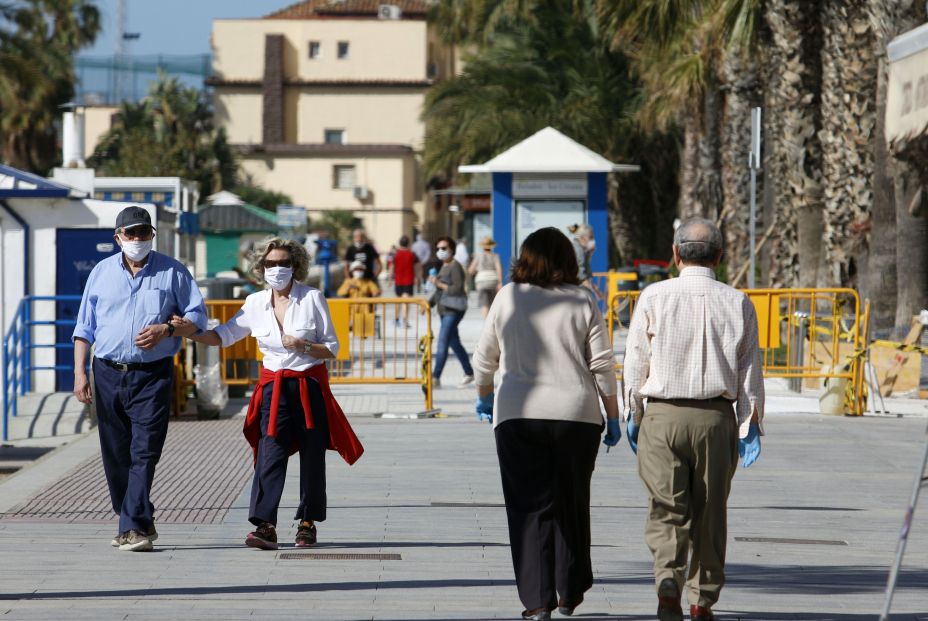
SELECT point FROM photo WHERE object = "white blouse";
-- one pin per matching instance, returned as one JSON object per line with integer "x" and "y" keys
{"x": 307, "y": 317}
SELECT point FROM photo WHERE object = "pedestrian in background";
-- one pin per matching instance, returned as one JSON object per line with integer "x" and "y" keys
{"x": 692, "y": 351}
{"x": 487, "y": 272}
{"x": 584, "y": 244}
{"x": 362, "y": 250}
{"x": 360, "y": 286}
{"x": 461, "y": 254}
{"x": 452, "y": 304}
{"x": 547, "y": 338}
{"x": 407, "y": 273}
{"x": 127, "y": 303}
{"x": 292, "y": 408}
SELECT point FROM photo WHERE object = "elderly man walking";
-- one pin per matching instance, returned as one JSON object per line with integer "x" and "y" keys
{"x": 127, "y": 302}
{"x": 692, "y": 352}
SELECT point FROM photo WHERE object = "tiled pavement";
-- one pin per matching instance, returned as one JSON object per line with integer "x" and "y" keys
{"x": 428, "y": 491}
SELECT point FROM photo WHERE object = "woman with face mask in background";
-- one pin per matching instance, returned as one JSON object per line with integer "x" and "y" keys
{"x": 292, "y": 408}
{"x": 452, "y": 305}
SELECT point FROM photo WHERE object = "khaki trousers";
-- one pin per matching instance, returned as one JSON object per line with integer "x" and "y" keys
{"x": 687, "y": 455}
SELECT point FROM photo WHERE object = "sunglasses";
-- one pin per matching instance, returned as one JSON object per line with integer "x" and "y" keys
{"x": 281, "y": 263}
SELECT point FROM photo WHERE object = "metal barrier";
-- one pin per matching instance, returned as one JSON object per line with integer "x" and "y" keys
{"x": 18, "y": 346}
{"x": 377, "y": 344}
{"x": 803, "y": 333}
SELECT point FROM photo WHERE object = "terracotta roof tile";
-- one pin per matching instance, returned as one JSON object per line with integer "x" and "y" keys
{"x": 314, "y": 9}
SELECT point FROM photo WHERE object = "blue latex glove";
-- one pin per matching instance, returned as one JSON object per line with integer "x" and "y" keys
{"x": 631, "y": 430}
{"x": 613, "y": 432}
{"x": 484, "y": 407}
{"x": 749, "y": 446}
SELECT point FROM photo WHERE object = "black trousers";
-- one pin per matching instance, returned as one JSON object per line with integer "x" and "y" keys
{"x": 133, "y": 408}
{"x": 546, "y": 468}
{"x": 273, "y": 454}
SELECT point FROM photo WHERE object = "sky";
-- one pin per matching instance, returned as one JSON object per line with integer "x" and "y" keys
{"x": 173, "y": 26}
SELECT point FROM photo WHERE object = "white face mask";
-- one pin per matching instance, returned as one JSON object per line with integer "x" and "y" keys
{"x": 136, "y": 250}
{"x": 278, "y": 277}
{"x": 443, "y": 254}
{"x": 358, "y": 274}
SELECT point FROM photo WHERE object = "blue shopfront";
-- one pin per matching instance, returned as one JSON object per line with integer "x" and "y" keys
{"x": 548, "y": 179}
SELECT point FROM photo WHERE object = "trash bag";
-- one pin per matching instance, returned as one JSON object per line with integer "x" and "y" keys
{"x": 212, "y": 392}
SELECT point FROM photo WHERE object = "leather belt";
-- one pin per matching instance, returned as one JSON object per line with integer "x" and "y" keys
{"x": 132, "y": 366}
{"x": 690, "y": 402}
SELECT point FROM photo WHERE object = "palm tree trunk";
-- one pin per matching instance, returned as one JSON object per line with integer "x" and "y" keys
{"x": 794, "y": 92}
{"x": 709, "y": 171}
{"x": 742, "y": 93}
{"x": 689, "y": 168}
{"x": 849, "y": 77}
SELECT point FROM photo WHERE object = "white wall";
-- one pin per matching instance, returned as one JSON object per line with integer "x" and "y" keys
{"x": 44, "y": 217}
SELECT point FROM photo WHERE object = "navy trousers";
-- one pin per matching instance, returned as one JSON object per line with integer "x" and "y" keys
{"x": 273, "y": 454}
{"x": 133, "y": 408}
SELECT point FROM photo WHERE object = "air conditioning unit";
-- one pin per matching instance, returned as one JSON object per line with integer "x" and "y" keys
{"x": 389, "y": 11}
{"x": 359, "y": 192}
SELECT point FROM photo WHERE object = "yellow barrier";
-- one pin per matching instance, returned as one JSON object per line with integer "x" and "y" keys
{"x": 376, "y": 346}
{"x": 803, "y": 333}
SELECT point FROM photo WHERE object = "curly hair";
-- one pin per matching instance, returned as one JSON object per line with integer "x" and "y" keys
{"x": 298, "y": 256}
{"x": 546, "y": 259}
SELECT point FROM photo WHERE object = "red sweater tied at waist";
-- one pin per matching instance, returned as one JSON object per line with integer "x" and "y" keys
{"x": 341, "y": 436}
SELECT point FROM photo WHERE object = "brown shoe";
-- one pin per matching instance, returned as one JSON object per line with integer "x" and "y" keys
{"x": 264, "y": 537}
{"x": 698, "y": 613}
{"x": 668, "y": 601}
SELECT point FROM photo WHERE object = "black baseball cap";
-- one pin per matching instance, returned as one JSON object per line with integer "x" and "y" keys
{"x": 133, "y": 216}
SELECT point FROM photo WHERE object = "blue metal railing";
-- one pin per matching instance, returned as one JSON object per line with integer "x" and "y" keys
{"x": 18, "y": 344}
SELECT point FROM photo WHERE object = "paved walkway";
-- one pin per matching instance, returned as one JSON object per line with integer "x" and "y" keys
{"x": 417, "y": 530}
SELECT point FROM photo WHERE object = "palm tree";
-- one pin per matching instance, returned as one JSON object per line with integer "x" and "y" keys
{"x": 171, "y": 132}
{"x": 36, "y": 53}
{"x": 556, "y": 69}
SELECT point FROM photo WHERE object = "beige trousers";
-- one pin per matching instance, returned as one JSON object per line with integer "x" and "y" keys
{"x": 687, "y": 455}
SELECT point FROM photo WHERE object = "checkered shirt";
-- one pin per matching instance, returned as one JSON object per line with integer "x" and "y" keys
{"x": 693, "y": 337}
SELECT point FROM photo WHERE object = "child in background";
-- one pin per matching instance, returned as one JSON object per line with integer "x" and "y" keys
{"x": 362, "y": 315}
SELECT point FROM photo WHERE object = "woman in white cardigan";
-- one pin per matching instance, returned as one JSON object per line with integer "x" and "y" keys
{"x": 546, "y": 337}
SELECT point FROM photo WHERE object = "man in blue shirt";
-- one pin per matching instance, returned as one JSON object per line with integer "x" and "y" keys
{"x": 128, "y": 300}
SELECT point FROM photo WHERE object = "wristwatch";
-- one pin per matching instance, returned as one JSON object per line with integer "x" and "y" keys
{"x": 170, "y": 329}
{"x": 307, "y": 347}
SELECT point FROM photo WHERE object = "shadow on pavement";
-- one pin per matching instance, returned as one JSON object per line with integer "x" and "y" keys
{"x": 772, "y": 579}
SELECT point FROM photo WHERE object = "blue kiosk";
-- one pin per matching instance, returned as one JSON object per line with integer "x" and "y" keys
{"x": 548, "y": 179}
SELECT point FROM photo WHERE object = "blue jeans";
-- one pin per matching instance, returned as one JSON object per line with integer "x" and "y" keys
{"x": 448, "y": 337}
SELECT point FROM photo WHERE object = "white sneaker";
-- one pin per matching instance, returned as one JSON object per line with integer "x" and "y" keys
{"x": 136, "y": 542}
{"x": 468, "y": 379}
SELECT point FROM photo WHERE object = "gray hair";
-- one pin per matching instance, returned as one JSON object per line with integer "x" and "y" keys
{"x": 698, "y": 241}
{"x": 298, "y": 256}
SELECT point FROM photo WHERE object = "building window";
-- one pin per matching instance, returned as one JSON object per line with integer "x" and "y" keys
{"x": 315, "y": 50}
{"x": 335, "y": 136}
{"x": 343, "y": 49}
{"x": 343, "y": 177}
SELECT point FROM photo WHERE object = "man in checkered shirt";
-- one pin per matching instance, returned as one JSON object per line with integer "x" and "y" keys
{"x": 692, "y": 352}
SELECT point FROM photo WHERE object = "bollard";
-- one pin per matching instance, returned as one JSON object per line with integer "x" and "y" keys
{"x": 797, "y": 350}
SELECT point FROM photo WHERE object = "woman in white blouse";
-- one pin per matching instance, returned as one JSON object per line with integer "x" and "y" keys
{"x": 292, "y": 407}
{"x": 546, "y": 336}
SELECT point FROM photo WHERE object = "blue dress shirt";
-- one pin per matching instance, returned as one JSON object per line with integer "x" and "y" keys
{"x": 116, "y": 306}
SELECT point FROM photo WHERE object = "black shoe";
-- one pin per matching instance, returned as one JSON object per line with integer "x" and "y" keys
{"x": 264, "y": 537}
{"x": 567, "y": 608}
{"x": 668, "y": 601}
{"x": 305, "y": 534}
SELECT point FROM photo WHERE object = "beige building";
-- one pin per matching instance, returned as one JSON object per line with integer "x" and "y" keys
{"x": 322, "y": 101}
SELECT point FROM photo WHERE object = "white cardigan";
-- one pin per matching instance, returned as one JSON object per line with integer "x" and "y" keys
{"x": 553, "y": 353}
